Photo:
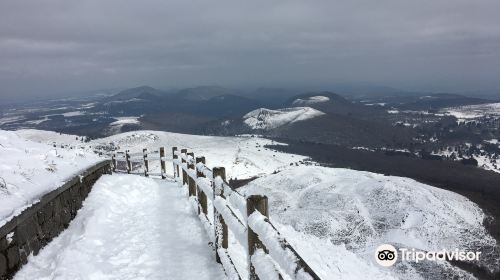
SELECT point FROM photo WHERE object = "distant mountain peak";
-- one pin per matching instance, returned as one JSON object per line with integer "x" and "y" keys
{"x": 137, "y": 92}
{"x": 203, "y": 93}
{"x": 316, "y": 97}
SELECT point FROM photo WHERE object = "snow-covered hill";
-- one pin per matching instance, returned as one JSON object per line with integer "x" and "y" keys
{"x": 269, "y": 119}
{"x": 243, "y": 157}
{"x": 310, "y": 100}
{"x": 332, "y": 209}
{"x": 28, "y": 170}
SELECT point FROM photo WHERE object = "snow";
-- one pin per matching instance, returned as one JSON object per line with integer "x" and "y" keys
{"x": 473, "y": 111}
{"x": 484, "y": 160}
{"x": 73, "y": 114}
{"x": 243, "y": 157}
{"x": 234, "y": 223}
{"x": 125, "y": 120}
{"x": 264, "y": 265}
{"x": 124, "y": 101}
{"x": 230, "y": 270}
{"x": 310, "y": 100}
{"x": 47, "y": 137}
{"x": 492, "y": 141}
{"x": 11, "y": 119}
{"x": 334, "y": 218}
{"x": 274, "y": 243}
{"x": 29, "y": 170}
{"x": 269, "y": 119}
{"x": 361, "y": 210}
{"x": 331, "y": 261}
{"x": 130, "y": 227}
{"x": 39, "y": 121}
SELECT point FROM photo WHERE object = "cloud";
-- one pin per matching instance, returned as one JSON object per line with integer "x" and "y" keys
{"x": 57, "y": 45}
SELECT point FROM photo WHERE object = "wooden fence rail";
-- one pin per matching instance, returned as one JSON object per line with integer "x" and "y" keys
{"x": 269, "y": 255}
{"x": 141, "y": 159}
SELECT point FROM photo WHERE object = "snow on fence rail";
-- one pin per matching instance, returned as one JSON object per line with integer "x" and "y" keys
{"x": 269, "y": 255}
{"x": 222, "y": 209}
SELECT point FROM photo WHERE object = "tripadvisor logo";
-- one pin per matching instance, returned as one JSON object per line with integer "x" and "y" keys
{"x": 386, "y": 255}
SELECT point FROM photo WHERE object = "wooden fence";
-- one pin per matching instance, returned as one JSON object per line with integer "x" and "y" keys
{"x": 128, "y": 160}
{"x": 222, "y": 209}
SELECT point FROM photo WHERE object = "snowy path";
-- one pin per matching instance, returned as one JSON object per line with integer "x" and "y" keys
{"x": 130, "y": 227}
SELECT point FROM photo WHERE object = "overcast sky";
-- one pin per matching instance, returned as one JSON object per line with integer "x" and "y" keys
{"x": 54, "y": 46}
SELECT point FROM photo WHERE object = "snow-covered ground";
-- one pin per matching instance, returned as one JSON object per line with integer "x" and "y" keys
{"x": 130, "y": 227}
{"x": 116, "y": 126}
{"x": 473, "y": 111}
{"x": 125, "y": 120}
{"x": 243, "y": 157}
{"x": 326, "y": 212}
{"x": 485, "y": 160}
{"x": 28, "y": 170}
{"x": 268, "y": 119}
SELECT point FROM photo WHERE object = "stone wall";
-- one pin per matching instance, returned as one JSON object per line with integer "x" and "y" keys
{"x": 36, "y": 226}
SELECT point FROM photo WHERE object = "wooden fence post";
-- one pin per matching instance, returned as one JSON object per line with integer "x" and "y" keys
{"x": 162, "y": 163}
{"x": 184, "y": 175}
{"x": 255, "y": 203}
{"x": 113, "y": 160}
{"x": 176, "y": 167}
{"x": 127, "y": 158}
{"x": 220, "y": 226}
{"x": 191, "y": 182}
{"x": 202, "y": 196}
{"x": 146, "y": 162}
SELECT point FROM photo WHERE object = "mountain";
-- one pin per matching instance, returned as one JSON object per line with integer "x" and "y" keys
{"x": 202, "y": 93}
{"x": 360, "y": 90}
{"x": 423, "y": 101}
{"x": 321, "y": 117}
{"x": 273, "y": 96}
{"x": 332, "y": 103}
{"x": 270, "y": 119}
{"x": 142, "y": 92}
{"x": 227, "y": 105}
{"x": 441, "y": 100}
